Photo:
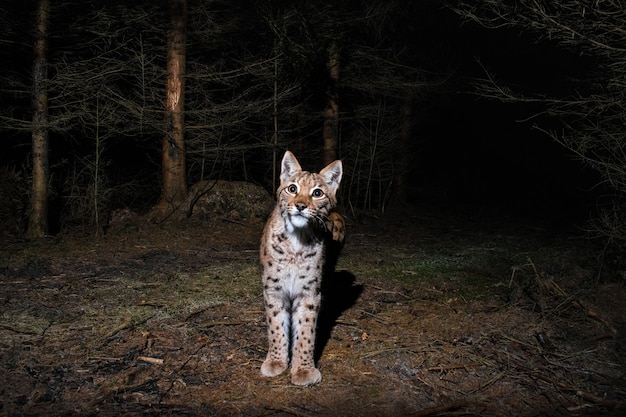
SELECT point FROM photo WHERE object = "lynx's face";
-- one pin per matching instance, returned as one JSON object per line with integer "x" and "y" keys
{"x": 304, "y": 197}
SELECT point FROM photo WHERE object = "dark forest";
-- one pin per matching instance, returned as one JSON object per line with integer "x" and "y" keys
{"x": 483, "y": 153}
{"x": 433, "y": 105}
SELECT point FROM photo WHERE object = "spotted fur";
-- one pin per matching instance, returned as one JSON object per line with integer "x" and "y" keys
{"x": 292, "y": 256}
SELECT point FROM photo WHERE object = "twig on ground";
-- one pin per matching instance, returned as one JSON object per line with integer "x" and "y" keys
{"x": 110, "y": 394}
{"x": 375, "y": 317}
{"x": 196, "y": 312}
{"x": 226, "y": 219}
{"x": 489, "y": 383}
{"x": 442, "y": 368}
{"x": 385, "y": 350}
{"x": 18, "y": 331}
{"x": 128, "y": 324}
{"x": 144, "y": 303}
{"x": 292, "y": 411}
{"x": 439, "y": 409}
{"x": 585, "y": 395}
{"x": 347, "y": 323}
{"x": 549, "y": 285}
{"x": 219, "y": 323}
{"x": 154, "y": 361}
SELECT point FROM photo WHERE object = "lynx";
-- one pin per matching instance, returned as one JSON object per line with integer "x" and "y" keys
{"x": 292, "y": 256}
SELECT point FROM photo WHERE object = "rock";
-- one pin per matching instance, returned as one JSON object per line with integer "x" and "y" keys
{"x": 235, "y": 200}
{"x": 123, "y": 221}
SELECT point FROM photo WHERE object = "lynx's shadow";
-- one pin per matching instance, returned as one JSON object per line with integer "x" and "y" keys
{"x": 338, "y": 294}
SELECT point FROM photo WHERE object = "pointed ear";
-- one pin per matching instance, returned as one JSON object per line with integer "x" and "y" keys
{"x": 289, "y": 167}
{"x": 332, "y": 174}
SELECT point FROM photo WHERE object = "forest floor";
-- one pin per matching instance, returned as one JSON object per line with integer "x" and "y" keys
{"x": 427, "y": 314}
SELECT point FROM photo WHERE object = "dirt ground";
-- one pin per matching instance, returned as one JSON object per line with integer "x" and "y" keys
{"x": 428, "y": 313}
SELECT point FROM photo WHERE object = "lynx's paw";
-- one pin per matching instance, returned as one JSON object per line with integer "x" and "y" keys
{"x": 337, "y": 226}
{"x": 273, "y": 367}
{"x": 305, "y": 376}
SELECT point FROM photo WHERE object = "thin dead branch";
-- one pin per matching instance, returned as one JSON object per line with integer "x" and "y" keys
{"x": 153, "y": 361}
{"x": 128, "y": 324}
{"x": 18, "y": 331}
{"x": 197, "y": 311}
{"x": 291, "y": 411}
{"x": 442, "y": 368}
{"x": 548, "y": 286}
{"x": 585, "y": 395}
{"x": 431, "y": 411}
{"x": 490, "y": 382}
{"x": 208, "y": 324}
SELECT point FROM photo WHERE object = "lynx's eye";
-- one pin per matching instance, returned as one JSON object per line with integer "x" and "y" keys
{"x": 292, "y": 189}
{"x": 317, "y": 193}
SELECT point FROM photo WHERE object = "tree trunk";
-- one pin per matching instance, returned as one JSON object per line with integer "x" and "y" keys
{"x": 331, "y": 114}
{"x": 174, "y": 186}
{"x": 403, "y": 155}
{"x": 38, "y": 218}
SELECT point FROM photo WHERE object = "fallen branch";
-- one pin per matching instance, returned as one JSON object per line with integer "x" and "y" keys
{"x": 14, "y": 330}
{"x": 226, "y": 219}
{"x": 490, "y": 382}
{"x": 154, "y": 361}
{"x": 585, "y": 395}
{"x": 219, "y": 323}
{"x": 442, "y": 368}
{"x": 196, "y": 312}
{"x": 292, "y": 411}
{"x": 346, "y": 323}
{"x": 551, "y": 286}
{"x": 110, "y": 394}
{"x": 144, "y": 303}
{"x": 386, "y": 350}
{"x": 439, "y": 409}
{"x": 128, "y": 324}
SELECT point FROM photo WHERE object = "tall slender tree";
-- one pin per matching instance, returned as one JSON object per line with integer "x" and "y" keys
{"x": 174, "y": 181}
{"x": 331, "y": 114}
{"x": 38, "y": 219}
{"x": 402, "y": 157}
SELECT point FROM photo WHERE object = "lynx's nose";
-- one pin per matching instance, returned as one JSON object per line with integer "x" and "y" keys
{"x": 300, "y": 206}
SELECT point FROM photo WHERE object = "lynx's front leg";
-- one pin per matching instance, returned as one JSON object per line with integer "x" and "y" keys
{"x": 278, "y": 324}
{"x": 304, "y": 316}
